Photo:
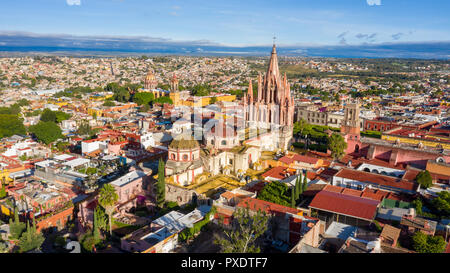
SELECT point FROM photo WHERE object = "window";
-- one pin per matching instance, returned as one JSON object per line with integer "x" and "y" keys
{"x": 185, "y": 157}
{"x": 224, "y": 142}
{"x": 173, "y": 156}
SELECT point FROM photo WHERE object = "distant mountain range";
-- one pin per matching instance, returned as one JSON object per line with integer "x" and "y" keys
{"x": 21, "y": 42}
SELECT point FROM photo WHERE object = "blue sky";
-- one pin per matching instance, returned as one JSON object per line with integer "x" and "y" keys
{"x": 236, "y": 22}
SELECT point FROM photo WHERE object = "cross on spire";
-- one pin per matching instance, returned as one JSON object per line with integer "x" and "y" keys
{"x": 274, "y": 39}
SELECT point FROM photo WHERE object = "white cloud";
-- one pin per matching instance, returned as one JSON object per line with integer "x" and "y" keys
{"x": 73, "y": 2}
{"x": 373, "y": 2}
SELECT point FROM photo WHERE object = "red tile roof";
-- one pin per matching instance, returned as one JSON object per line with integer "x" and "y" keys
{"x": 375, "y": 194}
{"x": 278, "y": 172}
{"x": 379, "y": 179}
{"x": 286, "y": 160}
{"x": 333, "y": 188}
{"x": 378, "y": 195}
{"x": 267, "y": 207}
{"x": 411, "y": 174}
{"x": 348, "y": 205}
{"x": 305, "y": 159}
{"x": 352, "y": 192}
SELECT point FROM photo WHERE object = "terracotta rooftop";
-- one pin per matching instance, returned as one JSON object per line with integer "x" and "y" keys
{"x": 379, "y": 179}
{"x": 411, "y": 174}
{"x": 267, "y": 207}
{"x": 348, "y": 205}
{"x": 305, "y": 159}
{"x": 278, "y": 172}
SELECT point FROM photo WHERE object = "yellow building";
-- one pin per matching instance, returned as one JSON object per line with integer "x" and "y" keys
{"x": 95, "y": 111}
{"x": 175, "y": 97}
{"x": 100, "y": 98}
{"x": 416, "y": 141}
{"x": 4, "y": 176}
{"x": 207, "y": 100}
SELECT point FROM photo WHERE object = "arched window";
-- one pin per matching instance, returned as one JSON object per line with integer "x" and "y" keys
{"x": 185, "y": 157}
{"x": 367, "y": 170}
{"x": 224, "y": 142}
{"x": 173, "y": 156}
{"x": 384, "y": 173}
{"x": 375, "y": 171}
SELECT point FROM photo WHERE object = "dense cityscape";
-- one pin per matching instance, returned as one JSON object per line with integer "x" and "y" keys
{"x": 160, "y": 153}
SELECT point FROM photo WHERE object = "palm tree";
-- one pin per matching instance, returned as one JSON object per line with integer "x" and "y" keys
{"x": 107, "y": 199}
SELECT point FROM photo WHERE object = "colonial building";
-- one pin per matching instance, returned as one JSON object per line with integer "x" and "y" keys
{"x": 184, "y": 162}
{"x": 273, "y": 107}
{"x": 175, "y": 95}
{"x": 350, "y": 128}
{"x": 150, "y": 82}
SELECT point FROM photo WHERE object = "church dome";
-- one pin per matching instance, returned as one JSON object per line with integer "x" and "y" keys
{"x": 150, "y": 76}
{"x": 184, "y": 144}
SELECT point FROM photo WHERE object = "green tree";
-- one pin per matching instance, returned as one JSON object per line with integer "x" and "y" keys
{"x": 143, "y": 98}
{"x": 213, "y": 100}
{"x": 428, "y": 244}
{"x": 96, "y": 229}
{"x": 424, "y": 179}
{"x": 48, "y": 115}
{"x": 163, "y": 100}
{"x": 201, "y": 90}
{"x": 113, "y": 87}
{"x": 299, "y": 126}
{"x": 23, "y": 102}
{"x": 30, "y": 239}
{"x": 88, "y": 241}
{"x": 11, "y": 125}
{"x": 60, "y": 116}
{"x": 122, "y": 95}
{"x": 46, "y": 132}
{"x": 275, "y": 192}
{"x": 442, "y": 203}
{"x": 4, "y": 247}
{"x": 102, "y": 218}
{"x": 305, "y": 183}
{"x": 418, "y": 205}
{"x": 109, "y": 103}
{"x": 300, "y": 185}
{"x": 246, "y": 228}
{"x": 161, "y": 185}
{"x": 3, "y": 193}
{"x": 293, "y": 197}
{"x": 144, "y": 108}
{"x": 297, "y": 188}
{"x": 84, "y": 128}
{"x": 16, "y": 228}
{"x": 107, "y": 199}
{"x": 337, "y": 146}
